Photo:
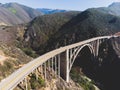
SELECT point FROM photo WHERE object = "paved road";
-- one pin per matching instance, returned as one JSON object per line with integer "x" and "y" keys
{"x": 15, "y": 78}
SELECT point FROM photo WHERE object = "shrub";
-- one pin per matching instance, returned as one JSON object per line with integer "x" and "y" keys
{"x": 36, "y": 83}
{"x": 30, "y": 52}
{"x": 86, "y": 84}
{"x": 12, "y": 10}
{"x": 41, "y": 81}
{"x": 7, "y": 68}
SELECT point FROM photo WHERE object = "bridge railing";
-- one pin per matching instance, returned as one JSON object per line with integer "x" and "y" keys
{"x": 15, "y": 78}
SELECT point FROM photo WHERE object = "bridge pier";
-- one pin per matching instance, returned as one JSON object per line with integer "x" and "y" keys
{"x": 97, "y": 47}
{"x": 36, "y": 74}
{"x": 41, "y": 69}
{"x": 26, "y": 85}
{"x": 64, "y": 59}
{"x": 59, "y": 65}
{"x": 49, "y": 64}
{"x": 52, "y": 65}
{"x": 45, "y": 71}
{"x": 67, "y": 65}
{"x": 55, "y": 66}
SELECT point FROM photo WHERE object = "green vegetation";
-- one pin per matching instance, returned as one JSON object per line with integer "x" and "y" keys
{"x": 43, "y": 27}
{"x": 14, "y": 58}
{"x": 88, "y": 24}
{"x": 53, "y": 31}
{"x": 6, "y": 68}
{"x": 30, "y": 52}
{"x": 84, "y": 82}
{"x": 36, "y": 84}
{"x": 13, "y": 10}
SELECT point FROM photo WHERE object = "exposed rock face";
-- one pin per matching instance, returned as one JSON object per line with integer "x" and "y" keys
{"x": 59, "y": 84}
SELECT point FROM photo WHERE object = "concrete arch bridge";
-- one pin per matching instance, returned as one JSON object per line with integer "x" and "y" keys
{"x": 60, "y": 61}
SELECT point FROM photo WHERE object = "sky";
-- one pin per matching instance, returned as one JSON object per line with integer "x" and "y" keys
{"x": 63, "y": 4}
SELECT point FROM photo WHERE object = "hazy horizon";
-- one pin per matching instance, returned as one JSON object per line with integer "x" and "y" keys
{"x": 79, "y": 5}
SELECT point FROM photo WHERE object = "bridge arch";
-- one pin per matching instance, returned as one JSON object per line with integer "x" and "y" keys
{"x": 89, "y": 46}
{"x": 48, "y": 58}
{"x": 83, "y": 62}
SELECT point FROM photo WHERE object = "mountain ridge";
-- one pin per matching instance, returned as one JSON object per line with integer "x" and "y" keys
{"x": 85, "y": 25}
{"x": 14, "y": 13}
{"x": 41, "y": 28}
{"x": 50, "y": 11}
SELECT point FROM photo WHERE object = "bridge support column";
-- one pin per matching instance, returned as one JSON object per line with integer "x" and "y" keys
{"x": 70, "y": 62}
{"x": 55, "y": 66}
{"x": 59, "y": 65}
{"x": 67, "y": 65}
{"x": 52, "y": 66}
{"x": 26, "y": 85}
{"x": 49, "y": 65}
{"x": 97, "y": 48}
{"x": 36, "y": 72}
{"x": 41, "y": 69}
{"x": 45, "y": 71}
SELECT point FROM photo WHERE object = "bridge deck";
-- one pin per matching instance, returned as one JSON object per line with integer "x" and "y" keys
{"x": 15, "y": 78}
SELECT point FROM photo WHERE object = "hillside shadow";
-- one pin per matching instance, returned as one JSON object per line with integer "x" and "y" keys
{"x": 104, "y": 70}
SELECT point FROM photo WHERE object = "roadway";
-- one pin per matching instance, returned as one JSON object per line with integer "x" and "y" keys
{"x": 15, "y": 78}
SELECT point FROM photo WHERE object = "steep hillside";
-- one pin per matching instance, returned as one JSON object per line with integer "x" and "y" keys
{"x": 113, "y": 9}
{"x": 88, "y": 24}
{"x": 7, "y": 17}
{"x": 41, "y": 28}
{"x": 10, "y": 54}
{"x": 10, "y": 35}
{"x": 50, "y": 11}
{"x": 10, "y": 59}
{"x": 14, "y": 13}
